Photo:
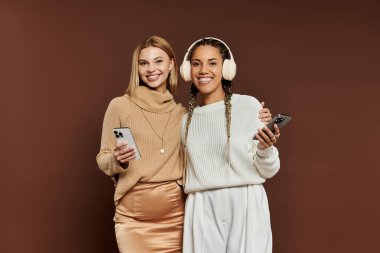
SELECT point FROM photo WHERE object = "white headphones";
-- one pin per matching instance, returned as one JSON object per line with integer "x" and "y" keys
{"x": 229, "y": 65}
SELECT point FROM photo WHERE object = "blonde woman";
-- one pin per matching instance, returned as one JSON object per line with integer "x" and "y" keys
{"x": 148, "y": 197}
{"x": 226, "y": 208}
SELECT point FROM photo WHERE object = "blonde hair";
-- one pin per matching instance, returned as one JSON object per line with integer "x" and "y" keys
{"x": 159, "y": 42}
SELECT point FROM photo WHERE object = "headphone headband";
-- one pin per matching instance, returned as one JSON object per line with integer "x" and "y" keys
{"x": 205, "y": 38}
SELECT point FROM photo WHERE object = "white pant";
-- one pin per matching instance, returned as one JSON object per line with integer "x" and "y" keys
{"x": 232, "y": 220}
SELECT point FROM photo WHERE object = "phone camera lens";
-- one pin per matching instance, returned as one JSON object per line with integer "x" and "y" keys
{"x": 279, "y": 118}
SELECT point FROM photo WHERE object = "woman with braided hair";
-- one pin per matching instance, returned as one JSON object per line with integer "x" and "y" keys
{"x": 227, "y": 207}
{"x": 149, "y": 201}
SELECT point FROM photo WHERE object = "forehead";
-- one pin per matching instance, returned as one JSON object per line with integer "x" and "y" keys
{"x": 151, "y": 53}
{"x": 206, "y": 52}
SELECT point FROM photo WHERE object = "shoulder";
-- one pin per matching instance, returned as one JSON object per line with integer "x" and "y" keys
{"x": 245, "y": 101}
{"x": 182, "y": 110}
{"x": 178, "y": 112}
{"x": 119, "y": 103}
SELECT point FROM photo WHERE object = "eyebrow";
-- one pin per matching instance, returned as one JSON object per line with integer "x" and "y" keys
{"x": 212, "y": 59}
{"x": 158, "y": 57}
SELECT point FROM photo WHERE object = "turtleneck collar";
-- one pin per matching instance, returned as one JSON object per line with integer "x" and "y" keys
{"x": 153, "y": 101}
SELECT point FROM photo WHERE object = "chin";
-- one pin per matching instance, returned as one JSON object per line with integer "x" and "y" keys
{"x": 154, "y": 84}
{"x": 205, "y": 91}
{"x": 205, "y": 88}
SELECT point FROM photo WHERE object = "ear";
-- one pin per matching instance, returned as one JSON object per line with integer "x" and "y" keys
{"x": 171, "y": 64}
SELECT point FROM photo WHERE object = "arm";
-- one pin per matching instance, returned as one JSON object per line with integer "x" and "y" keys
{"x": 264, "y": 155}
{"x": 107, "y": 158}
{"x": 266, "y": 159}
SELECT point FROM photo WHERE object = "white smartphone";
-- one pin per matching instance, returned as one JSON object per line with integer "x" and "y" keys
{"x": 280, "y": 119}
{"x": 125, "y": 134}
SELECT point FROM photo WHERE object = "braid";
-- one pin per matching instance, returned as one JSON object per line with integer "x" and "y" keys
{"x": 227, "y": 87}
{"x": 193, "y": 97}
{"x": 226, "y": 84}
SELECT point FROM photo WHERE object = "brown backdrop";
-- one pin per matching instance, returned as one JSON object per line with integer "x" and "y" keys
{"x": 62, "y": 62}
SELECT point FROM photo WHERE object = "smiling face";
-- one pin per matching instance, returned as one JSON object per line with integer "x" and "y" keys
{"x": 154, "y": 66}
{"x": 206, "y": 71}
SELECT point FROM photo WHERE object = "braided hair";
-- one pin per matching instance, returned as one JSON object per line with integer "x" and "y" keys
{"x": 227, "y": 87}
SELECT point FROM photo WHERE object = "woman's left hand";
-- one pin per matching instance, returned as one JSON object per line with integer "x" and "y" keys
{"x": 266, "y": 138}
{"x": 264, "y": 114}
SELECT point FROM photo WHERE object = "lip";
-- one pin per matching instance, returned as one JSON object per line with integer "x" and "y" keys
{"x": 153, "y": 77}
{"x": 204, "y": 79}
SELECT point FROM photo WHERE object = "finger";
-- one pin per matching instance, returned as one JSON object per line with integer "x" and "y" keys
{"x": 128, "y": 159}
{"x": 265, "y": 136}
{"x": 271, "y": 137}
{"x": 126, "y": 154}
{"x": 276, "y": 131}
{"x": 265, "y": 120}
{"x": 122, "y": 150}
{"x": 262, "y": 104}
{"x": 266, "y": 115}
{"x": 268, "y": 132}
{"x": 261, "y": 141}
{"x": 126, "y": 149}
{"x": 121, "y": 144}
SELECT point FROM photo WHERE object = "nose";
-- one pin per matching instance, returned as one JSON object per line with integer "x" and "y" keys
{"x": 150, "y": 68}
{"x": 203, "y": 69}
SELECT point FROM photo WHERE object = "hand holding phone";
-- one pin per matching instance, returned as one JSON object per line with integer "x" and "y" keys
{"x": 124, "y": 134}
{"x": 280, "y": 119}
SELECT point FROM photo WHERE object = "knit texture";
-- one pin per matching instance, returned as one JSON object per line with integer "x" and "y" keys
{"x": 207, "y": 165}
{"x": 126, "y": 111}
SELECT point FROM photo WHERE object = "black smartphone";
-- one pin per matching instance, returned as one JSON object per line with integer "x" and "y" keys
{"x": 280, "y": 119}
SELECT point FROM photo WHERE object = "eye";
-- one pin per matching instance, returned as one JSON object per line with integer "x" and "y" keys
{"x": 159, "y": 61}
{"x": 213, "y": 63}
{"x": 142, "y": 63}
{"x": 195, "y": 64}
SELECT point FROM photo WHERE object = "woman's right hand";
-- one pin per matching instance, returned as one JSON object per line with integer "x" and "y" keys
{"x": 266, "y": 138}
{"x": 124, "y": 153}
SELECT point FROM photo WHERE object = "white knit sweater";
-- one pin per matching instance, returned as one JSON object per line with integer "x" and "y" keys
{"x": 207, "y": 165}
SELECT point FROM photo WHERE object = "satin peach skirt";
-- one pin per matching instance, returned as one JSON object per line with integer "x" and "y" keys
{"x": 149, "y": 218}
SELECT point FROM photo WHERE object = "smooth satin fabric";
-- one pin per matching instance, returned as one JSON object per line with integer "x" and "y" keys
{"x": 149, "y": 218}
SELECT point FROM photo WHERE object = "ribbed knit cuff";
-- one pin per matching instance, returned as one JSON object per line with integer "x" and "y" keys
{"x": 117, "y": 167}
{"x": 265, "y": 152}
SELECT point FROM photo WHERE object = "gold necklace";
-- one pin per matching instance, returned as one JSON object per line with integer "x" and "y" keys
{"x": 161, "y": 137}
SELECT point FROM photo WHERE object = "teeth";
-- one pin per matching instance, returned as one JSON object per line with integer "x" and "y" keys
{"x": 152, "y": 78}
{"x": 205, "y": 79}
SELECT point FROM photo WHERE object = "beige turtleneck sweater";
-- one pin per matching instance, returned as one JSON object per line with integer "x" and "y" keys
{"x": 160, "y": 110}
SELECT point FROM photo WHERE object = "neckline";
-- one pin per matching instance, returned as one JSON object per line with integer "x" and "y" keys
{"x": 212, "y": 107}
{"x": 153, "y": 101}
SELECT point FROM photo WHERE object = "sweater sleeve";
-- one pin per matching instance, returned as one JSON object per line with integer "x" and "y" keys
{"x": 266, "y": 161}
{"x": 106, "y": 160}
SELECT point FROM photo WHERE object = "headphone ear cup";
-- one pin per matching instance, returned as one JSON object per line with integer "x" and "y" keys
{"x": 185, "y": 71}
{"x": 229, "y": 69}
